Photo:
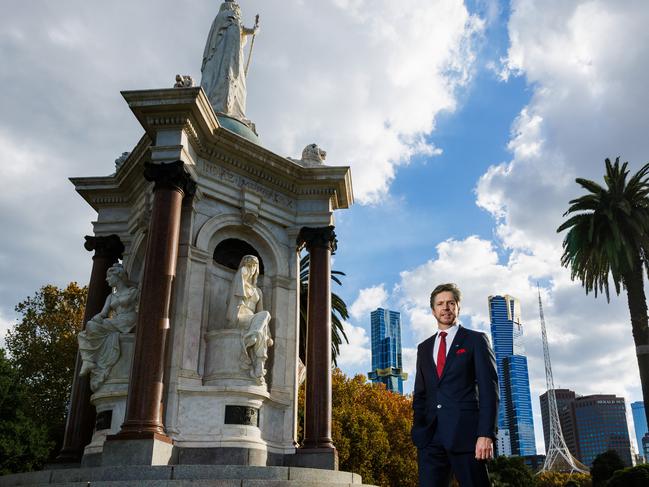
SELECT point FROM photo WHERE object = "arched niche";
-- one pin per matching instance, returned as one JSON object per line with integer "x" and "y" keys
{"x": 230, "y": 251}
{"x": 227, "y": 243}
{"x": 224, "y": 226}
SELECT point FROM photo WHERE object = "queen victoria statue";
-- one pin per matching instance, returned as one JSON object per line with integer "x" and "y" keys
{"x": 246, "y": 313}
{"x": 223, "y": 70}
{"x": 99, "y": 342}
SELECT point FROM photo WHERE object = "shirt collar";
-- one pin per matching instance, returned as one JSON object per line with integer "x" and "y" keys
{"x": 450, "y": 332}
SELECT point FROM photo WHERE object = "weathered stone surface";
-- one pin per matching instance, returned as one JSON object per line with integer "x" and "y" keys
{"x": 145, "y": 452}
{"x": 28, "y": 478}
{"x": 229, "y": 472}
{"x": 184, "y": 476}
{"x": 319, "y": 475}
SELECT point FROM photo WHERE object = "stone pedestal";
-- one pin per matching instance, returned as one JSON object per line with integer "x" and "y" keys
{"x": 186, "y": 475}
{"x": 138, "y": 450}
{"x": 223, "y": 362}
{"x": 325, "y": 458}
{"x": 110, "y": 402}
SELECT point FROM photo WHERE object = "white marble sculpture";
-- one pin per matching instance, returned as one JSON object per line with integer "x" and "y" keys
{"x": 246, "y": 313}
{"x": 223, "y": 71}
{"x": 119, "y": 162}
{"x": 184, "y": 81}
{"x": 312, "y": 156}
{"x": 99, "y": 342}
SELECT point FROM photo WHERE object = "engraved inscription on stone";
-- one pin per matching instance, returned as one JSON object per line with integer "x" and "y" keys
{"x": 240, "y": 181}
{"x": 245, "y": 415}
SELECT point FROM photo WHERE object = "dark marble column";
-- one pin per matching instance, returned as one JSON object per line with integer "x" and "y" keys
{"x": 143, "y": 419}
{"x": 319, "y": 242}
{"x": 81, "y": 417}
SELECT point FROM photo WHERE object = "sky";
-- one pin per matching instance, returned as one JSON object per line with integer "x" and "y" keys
{"x": 464, "y": 123}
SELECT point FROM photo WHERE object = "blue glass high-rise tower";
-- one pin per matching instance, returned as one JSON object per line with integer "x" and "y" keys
{"x": 515, "y": 411}
{"x": 386, "y": 350}
{"x": 640, "y": 425}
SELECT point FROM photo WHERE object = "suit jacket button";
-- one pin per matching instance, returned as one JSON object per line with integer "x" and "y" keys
{"x": 439, "y": 406}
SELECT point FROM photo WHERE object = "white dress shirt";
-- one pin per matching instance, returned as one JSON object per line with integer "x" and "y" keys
{"x": 449, "y": 340}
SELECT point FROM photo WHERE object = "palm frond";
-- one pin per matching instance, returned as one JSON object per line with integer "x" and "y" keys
{"x": 608, "y": 230}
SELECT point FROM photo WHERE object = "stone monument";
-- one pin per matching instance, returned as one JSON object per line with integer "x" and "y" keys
{"x": 223, "y": 71}
{"x": 200, "y": 380}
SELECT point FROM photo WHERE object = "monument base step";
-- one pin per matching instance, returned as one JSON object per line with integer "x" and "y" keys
{"x": 185, "y": 476}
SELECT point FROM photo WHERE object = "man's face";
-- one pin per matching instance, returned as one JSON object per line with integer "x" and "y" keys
{"x": 446, "y": 309}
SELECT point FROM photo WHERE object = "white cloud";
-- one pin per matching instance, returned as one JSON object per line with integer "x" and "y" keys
{"x": 585, "y": 63}
{"x": 355, "y": 354}
{"x": 362, "y": 78}
{"x": 409, "y": 363}
{"x": 587, "y": 104}
{"x": 380, "y": 77}
{"x": 368, "y": 300}
{"x": 474, "y": 266}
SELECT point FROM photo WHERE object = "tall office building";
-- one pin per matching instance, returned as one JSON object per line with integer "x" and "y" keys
{"x": 386, "y": 350}
{"x": 590, "y": 424}
{"x": 600, "y": 422}
{"x": 515, "y": 411}
{"x": 564, "y": 398}
{"x": 640, "y": 425}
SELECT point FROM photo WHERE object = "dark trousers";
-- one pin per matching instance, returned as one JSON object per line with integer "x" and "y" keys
{"x": 436, "y": 465}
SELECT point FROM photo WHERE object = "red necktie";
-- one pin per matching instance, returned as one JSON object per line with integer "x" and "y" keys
{"x": 441, "y": 353}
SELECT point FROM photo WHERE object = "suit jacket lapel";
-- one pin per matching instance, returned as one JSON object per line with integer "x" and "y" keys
{"x": 460, "y": 335}
{"x": 429, "y": 354}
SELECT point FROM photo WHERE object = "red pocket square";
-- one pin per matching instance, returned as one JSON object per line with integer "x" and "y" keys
{"x": 461, "y": 350}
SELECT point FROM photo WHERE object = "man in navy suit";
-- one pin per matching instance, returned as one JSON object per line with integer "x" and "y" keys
{"x": 455, "y": 401}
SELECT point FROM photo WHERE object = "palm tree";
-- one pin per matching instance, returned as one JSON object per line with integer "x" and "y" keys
{"x": 608, "y": 235}
{"x": 338, "y": 312}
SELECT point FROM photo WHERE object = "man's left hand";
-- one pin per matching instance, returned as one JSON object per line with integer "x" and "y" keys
{"x": 484, "y": 448}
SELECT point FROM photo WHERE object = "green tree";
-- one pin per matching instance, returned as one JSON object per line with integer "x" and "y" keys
{"x": 43, "y": 348}
{"x": 608, "y": 236}
{"x": 24, "y": 444}
{"x": 510, "y": 472}
{"x": 338, "y": 312}
{"x": 604, "y": 466}
{"x": 562, "y": 479}
{"x": 637, "y": 476}
{"x": 371, "y": 431}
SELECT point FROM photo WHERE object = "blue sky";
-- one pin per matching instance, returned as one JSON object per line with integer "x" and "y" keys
{"x": 464, "y": 124}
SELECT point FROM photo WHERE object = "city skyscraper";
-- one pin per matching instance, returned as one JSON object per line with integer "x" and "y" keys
{"x": 591, "y": 424}
{"x": 600, "y": 422}
{"x": 515, "y": 410}
{"x": 387, "y": 366}
{"x": 639, "y": 424}
{"x": 564, "y": 398}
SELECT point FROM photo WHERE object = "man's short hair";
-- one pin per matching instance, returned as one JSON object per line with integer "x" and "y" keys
{"x": 449, "y": 286}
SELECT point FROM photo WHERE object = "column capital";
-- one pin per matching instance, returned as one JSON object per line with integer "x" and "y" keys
{"x": 109, "y": 246}
{"x": 323, "y": 237}
{"x": 170, "y": 175}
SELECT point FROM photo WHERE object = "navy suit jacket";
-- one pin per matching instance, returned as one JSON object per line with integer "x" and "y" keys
{"x": 462, "y": 404}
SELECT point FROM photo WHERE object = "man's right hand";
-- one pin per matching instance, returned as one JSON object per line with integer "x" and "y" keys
{"x": 484, "y": 448}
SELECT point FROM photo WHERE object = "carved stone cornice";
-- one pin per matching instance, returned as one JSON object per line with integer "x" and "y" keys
{"x": 171, "y": 175}
{"x": 109, "y": 246}
{"x": 190, "y": 110}
{"x": 323, "y": 237}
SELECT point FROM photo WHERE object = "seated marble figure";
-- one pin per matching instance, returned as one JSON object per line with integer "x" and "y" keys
{"x": 245, "y": 312}
{"x": 99, "y": 342}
